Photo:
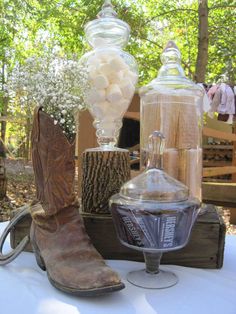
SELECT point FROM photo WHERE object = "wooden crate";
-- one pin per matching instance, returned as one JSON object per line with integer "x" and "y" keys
{"x": 221, "y": 194}
{"x": 205, "y": 248}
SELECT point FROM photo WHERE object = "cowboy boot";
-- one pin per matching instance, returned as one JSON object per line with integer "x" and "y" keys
{"x": 58, "y": 237}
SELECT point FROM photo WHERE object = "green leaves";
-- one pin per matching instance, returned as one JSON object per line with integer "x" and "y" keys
{"x": 28, "y": 26}
{"x": 35, "y": 27}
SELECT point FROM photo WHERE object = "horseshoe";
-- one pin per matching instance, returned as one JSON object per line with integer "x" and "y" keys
{"x": 9, "y": 257}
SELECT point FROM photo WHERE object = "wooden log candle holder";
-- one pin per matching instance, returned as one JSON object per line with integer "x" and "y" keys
{"x": 103, "y": 173}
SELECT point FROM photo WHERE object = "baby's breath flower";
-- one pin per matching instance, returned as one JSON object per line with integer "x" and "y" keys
{"x": 52, "y": 83}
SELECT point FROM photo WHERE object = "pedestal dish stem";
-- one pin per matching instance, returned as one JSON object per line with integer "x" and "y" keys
{"x": 152, "y": 261}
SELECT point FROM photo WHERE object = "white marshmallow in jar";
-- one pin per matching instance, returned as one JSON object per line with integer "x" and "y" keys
{"x": 112, "y": 76}
{"x": 110, "y": 73}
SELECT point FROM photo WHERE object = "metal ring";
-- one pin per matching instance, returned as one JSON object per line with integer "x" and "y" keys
{"x": 7, "y": 258}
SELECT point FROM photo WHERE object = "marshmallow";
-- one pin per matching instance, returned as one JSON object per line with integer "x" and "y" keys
{"x": 105, "y": 56}
{"x": 100, "y": 81}
{"x": 92, "y": 72}
{"x": 117, "y": 64}
{"x": 95, "y": 95}
{"x": 127, "y": 89}
{"x": 113, "y": 93}
{"x": 116, "y": 78}
{"x": 119, "y": 108}
{"x": 131, "y": 75}
{"x": 93, "y": 62}
{"x": 105, "y": 111}
{"x": 100, "y": 109}
{"x": 95, "y": 112}
{"x": 111, "y": 83}
{"x": 104, "y": 106}
{"x": 105, "y": 69}
{"x": 123, "y": 104}
{"x": 113, "y": 76}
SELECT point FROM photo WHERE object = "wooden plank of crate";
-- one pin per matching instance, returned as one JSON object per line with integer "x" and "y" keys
{"x": 218, "y": 171}
{"x": 219, "y": 193}
{"x": 219, "y": 134}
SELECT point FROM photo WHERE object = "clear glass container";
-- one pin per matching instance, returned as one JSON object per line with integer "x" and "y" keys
{"x": 153, "y": 213}
{"x": 173, "y": 104}
{"x": 108, "y": 75}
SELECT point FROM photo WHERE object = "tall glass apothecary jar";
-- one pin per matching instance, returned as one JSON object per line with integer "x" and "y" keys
{"x": 173, "y": 104}
{"x": 108, "y": 75}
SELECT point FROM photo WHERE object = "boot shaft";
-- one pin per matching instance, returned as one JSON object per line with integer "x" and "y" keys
{"x": 53, "y": 163}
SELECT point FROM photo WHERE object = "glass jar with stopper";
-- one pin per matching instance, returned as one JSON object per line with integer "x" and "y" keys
{"x": 154, "y": 213}
{"x": 109, "y": 75}
{"x": 173, "y": 104}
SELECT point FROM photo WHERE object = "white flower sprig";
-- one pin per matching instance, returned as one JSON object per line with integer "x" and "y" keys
{"x": 53, "y": 83}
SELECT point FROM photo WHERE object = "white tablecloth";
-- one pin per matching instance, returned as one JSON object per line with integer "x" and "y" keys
{"x": 24, "y": 288}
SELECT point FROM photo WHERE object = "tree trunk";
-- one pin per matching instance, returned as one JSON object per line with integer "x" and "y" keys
{"x": 4, "y": 106}
{"x": 203, "y": 36}
{"x": 104, "y": 172}
{"x": 4, "y": 123}
{"x": 27, "y": 142}
{"x": 27, "y": 133}
{"x": 3, "y": 178}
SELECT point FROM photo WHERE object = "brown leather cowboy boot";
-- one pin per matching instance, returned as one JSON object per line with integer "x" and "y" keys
{"x": 58, "y": 237}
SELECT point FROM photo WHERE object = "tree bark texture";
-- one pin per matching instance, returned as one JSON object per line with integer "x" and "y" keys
{"x": 203, "y": 37}
{"x": 4, "y": 106}
{"x": 104, "y": 172}
{"x": 27, "y": 133}
{"x": 3, "y": 179}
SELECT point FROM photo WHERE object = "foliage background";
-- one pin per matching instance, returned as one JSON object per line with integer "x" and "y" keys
{"x": 37, "y": 28}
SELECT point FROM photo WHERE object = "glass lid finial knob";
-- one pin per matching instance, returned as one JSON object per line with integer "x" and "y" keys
{"x": 107, "y": 10}
{"x": 156, "y": 149}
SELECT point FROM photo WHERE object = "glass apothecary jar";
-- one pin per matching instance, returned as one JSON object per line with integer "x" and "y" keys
{"x": 108, "y": 75}
{"x": 154, "y": 213}
{"x": 173, "y": 104}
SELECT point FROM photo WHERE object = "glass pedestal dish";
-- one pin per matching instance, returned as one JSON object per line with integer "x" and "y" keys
{"x": 153, "y": 213}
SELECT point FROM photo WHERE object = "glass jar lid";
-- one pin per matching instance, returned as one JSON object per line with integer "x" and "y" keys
{"x": 171, "y": 74}
{"x": 154, "y": 184}
{"x": 107, "y": 29}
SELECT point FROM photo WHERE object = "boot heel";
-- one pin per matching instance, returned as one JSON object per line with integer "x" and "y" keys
{"x": 38, "y": 257}
{"x": 40, "y": 261}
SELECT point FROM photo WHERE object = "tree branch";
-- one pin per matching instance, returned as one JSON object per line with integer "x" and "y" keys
{"x": 171, "y": 11}
{"x": 214, "y": 28}
{"x": 222, "y": 6}
{"x": 151, "y": 41}
{"x": 161, "y": 47}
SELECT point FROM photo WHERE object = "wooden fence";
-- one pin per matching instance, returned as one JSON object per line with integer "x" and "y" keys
{"x": 216, "y": 171}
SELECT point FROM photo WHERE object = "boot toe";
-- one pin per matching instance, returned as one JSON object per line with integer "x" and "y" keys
{"x": 87, "y": 276}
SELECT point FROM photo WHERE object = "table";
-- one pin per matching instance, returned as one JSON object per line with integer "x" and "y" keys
{"x": 24, "y": 288}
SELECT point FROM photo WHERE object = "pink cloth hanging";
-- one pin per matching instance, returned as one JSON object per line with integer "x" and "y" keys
{"x": 212, "y": 91}
{"x": 227, "y": 104}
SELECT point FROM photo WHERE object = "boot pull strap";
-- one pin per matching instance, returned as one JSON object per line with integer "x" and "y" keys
{"x": 36, "y": 131}
{"x": 9, "y": 257}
